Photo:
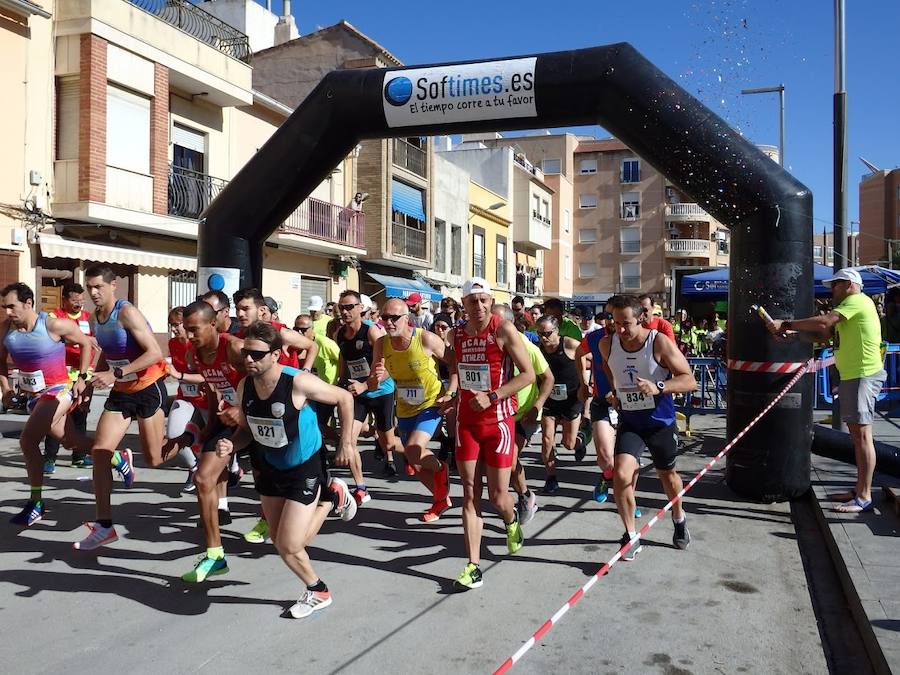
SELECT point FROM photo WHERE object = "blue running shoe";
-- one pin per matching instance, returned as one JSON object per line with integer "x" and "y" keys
{"x": 601, "y": 491}
{"x": 49, "y": 467}
{"x": 32, "y": 512}
{"x": 206, "y": 567}
{"x": 125, "y": 467}
{"x": 84, "y": 462}
{"x": 637, "y": 512}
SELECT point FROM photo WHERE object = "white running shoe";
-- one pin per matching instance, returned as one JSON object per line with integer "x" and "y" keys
{"x": 309, "y": 602}
{"x": 346, "y": 503}
{"x": 99, "y": 536}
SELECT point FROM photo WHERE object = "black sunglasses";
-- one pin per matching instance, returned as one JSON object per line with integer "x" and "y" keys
{"x": 393, "y": 318}
{"x": 256, "y": 354}
{"x": 545, "y": 333}
{"x": 348, "y": 308}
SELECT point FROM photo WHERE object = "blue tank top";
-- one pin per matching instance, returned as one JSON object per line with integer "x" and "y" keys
{"x": 116, "y": 342}
{"x": 41, "y": 360}
{"x": 283, "y": 435}
{"x": 601, "y": 384}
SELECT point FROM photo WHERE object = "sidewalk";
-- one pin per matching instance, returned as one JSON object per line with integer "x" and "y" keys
{"x": 866, "y": 551}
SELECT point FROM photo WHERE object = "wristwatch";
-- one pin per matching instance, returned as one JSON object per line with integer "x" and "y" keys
{"x": 117, "y": 372}
{"x": 661, "y": 386}
{"x": 492, "y": 395}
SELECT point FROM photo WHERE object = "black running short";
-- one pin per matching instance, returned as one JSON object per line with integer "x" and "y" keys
{"x": 141, "y": 404}
{"x": 221, "y": 431}
{"x": 300, "y": 484}
{"x": 600, "y": 410}
{"x": 662, "y": 442}
{"x": 382, "y": 407}
{"x": 568, "y": 409}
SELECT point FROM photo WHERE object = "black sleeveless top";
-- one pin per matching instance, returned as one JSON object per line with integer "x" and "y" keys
{"x": 357, "y": 353}
{"x": 564, "y": 369}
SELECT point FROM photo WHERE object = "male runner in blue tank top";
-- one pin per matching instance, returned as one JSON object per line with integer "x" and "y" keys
{"x": 644, "y": 372}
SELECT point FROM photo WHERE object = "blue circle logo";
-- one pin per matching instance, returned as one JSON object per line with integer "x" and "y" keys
{"x": 398, "y": 91}
{"x": 216, "y": 282}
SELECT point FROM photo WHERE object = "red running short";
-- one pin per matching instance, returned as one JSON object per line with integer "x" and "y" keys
{"x": 492, "y": 443}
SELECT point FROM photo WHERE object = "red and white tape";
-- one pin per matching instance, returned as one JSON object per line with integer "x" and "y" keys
{"x": 779, "y": 366}
{"x": 809, "y": 366}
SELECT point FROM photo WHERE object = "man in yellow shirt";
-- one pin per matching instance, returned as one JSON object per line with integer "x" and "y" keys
{"x": 857, "y": 354}
{"x": 320, "y": 318}
{"x": 407, "y": 354}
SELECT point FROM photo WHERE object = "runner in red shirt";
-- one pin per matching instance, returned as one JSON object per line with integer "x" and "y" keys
{"x": 652, "y": 322}
{"x": 485, "y": 349}
{"x": 250, "y": 306}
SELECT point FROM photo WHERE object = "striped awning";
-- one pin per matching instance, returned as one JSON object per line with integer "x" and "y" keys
{"x": 54, "y": 246}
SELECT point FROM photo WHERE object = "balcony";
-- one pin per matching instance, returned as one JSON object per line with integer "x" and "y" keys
{"x": 687, "y": 248}
{"x": 409, "y": 157}
{"x": 327, "y": 222}
{"x": 202, "y": 25}
{"x": 686, "y": 213}
{"x": 408, "y": 241}
{"x": 190, "y": 192}
{"x": 538, "y": 217}
{"x": 528, "y": 166}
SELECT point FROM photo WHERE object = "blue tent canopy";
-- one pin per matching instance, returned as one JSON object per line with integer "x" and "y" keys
{"x": 714, "y": 284}
{"x": 398, "y": 287}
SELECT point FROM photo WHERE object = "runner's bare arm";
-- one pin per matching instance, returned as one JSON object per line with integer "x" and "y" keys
{"x": 233, "y": 352}
{"x": 509, "y": 338}
{"x": 71, "y": 333}
{"x": 585, "y": 360}
{"x": 379, "y": 372}
{"x": 670, "y": 357}
{"x": 605, "y": 344}
{"x": 571, "y": 345}
{"x": 292, "y": 338}
{"x": 434, "y": 346}
{"x": 5, "y": 388}
{"x": 135, "y": 323}
{"x": 545, "y": 386}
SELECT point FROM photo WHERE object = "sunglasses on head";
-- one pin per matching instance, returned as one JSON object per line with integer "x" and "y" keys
{"x": 256, "y": 354}
{"x": 393, "y": 318}
{"x": 348, "y": 308}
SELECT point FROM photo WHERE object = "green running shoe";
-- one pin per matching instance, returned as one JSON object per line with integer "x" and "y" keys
{"x": 258, "y": 534}
{"x": 514, "y": 537}
{"x": 470, "y": 577}
{"x": 206, "y": 567}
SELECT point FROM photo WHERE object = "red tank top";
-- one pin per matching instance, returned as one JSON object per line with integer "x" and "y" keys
{"x": 482, "y": 366}
{"x": 192, "y": 393}
{"x": 289, "y": 355}
{"x": 220, "y": 374}
{"x": 73, "y": 352}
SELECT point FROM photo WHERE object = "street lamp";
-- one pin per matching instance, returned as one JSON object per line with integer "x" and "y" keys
{"x": 780, "y": 91}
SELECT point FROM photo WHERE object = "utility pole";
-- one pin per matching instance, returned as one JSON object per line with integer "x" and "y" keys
{"x": 840, "y": 159}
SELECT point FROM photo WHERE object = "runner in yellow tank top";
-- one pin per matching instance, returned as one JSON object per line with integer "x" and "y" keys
{"x": 407, "y": 354}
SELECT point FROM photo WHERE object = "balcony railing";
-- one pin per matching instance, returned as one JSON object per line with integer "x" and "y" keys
{"x": 200, "y": 24}
{"x": 686, "y": 210}
{"x": 409, "y": 156}
{"x": 537, "y": 216}
{"x": 528, "y": 166}
{"x": 190, "y": 192}
{"x": 408, "y": 241}
{"x": 526, "y": 280}
{"x": 687, "y": 247}
{"x": 327, "y": 222}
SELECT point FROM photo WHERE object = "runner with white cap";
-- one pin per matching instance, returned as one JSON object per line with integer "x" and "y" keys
{"x": 320, "y": 319}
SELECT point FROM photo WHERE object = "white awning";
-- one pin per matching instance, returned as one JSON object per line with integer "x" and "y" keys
{"x": 53, "y": 246}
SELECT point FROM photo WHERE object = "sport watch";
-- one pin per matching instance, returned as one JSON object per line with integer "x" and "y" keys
{"x": 117, "y": 372}
{"x": 661, "y": 386}
{"x": 492, "y": 395}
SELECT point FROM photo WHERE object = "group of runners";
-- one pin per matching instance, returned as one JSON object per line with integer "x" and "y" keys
{"x": 252, "y": 387}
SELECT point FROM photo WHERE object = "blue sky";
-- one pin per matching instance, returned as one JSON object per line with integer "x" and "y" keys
{"x": 713, "y": 48}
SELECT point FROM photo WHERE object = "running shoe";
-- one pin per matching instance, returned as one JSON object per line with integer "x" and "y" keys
{"x": 378, "y": 453}
{"x": 637, "y": 512}
{"x": 681, "y": 538}
{"x": 125, "y": 467}
{"x": 234, "y": 477}
{"x": 361, "y": 495}
{"x": 49, "y": 467}
{"x": 470, "y": 577}
{"x": 514, "y": 537}
{"x": 205, "y": 567}
{"x": 436, "y": 510}
{"x": 631, "y": 553}
{"x": 309, "y": 602}
{"x": 389, "y": 471}
{"x": 224, "y": 517}
{"x": 526, "y": 507}
{"x": 82, "y": 461}
{"x": 259, "y": 533}
{"x": 409, "y": 470}
{"x": 580, "y": 449}
{"x": 32, "y": 512}
{"x": 189, "y": 482}
{"x": 99, "y": 536}
{"x": 601, "y": 491}
{"x": 345, "y": 503}
{"x": 551, "y": 486}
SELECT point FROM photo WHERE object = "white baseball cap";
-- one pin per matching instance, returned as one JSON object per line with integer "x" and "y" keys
{"x": 315, "y": 303}
{"x": 475, "y": 285}
{"x": 366, "y": 303}
{"x": 846, "y": 274}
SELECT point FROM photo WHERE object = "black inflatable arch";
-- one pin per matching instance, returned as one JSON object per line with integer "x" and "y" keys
{"x": 768, "y": 210}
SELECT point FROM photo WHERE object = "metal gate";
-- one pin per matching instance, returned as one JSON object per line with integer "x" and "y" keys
{"x": 310, "y": 286}
{"x": 182, "y": 288}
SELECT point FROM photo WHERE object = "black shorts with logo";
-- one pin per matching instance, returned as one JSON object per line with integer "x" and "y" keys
{"x": 141, "y": 404}
{"x": 299, "y": 484}
{"x": 662, "y": 442}
{"x": 381, "y": 407}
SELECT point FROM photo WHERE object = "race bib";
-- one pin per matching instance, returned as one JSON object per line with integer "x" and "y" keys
{"x": 358, "y": 368}
{"x": 474, "y": 377}
{"x": 413, "y": 395}
{"x": 121, "y": 363}
{"x": 559, "y": 392}
{"x": 635, "y": 399}
{"x": 85, "y": 327}
{"x": 229, "y": 395}
{"x": 189, "y": 390}
{"x": 267, "y": 431}
{"x": 32, "y": 382}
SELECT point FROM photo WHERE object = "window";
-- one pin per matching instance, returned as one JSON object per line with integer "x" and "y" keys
{"x": 587, "y": 201}
{"x": 456, "y": 250}
{"x": 536, "y": 207}
{"x": 67, "y": 118}
{"x": 631, "y": 171}
{"x": 182, "y": 288}
{"x": 630, "y": 275}
{"x": 587, "y": 236}
{"x": 631, "y": 239}
{"x": 545, "y": 211}
{"x": 588, "y": 166}
{"x": 478, "y": 252}
{"x": 831, "y": 252}
{"x": 567, "y": 267}
{"x": 127, "y": 130}
{"x": 567, "y": 220}
{"x": 550, "y": 166}
{"x": 310, "y": 286}
{"x": 440, "y": 245}
{"x": 587, "y": 270}
{"x": 188, "y": 148}
{"x": 501, "y": 260}
{"x": 631, "y": 205}
{"x": 817, "y": 251}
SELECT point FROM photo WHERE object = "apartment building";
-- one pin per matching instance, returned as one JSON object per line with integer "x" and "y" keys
{"x": 395, "y": 174}
{"x": 489, "y": 231}
{"x": 553, "y": 156}
{"x": 879, "y": 216}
